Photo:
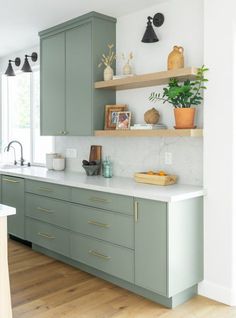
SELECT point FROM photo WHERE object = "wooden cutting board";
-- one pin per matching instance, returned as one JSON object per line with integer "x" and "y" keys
{"x": 143, "y": 177}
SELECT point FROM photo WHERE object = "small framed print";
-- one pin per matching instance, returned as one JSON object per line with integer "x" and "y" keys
{"x": 123, "y": 120}
{"x": 111, "y": 115}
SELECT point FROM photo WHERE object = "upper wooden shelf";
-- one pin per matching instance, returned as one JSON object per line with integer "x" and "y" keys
{"x": 147, "y": 80}
{"x": 150, "y": 133}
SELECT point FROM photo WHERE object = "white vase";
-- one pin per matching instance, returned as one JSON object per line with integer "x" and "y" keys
{"x": 108, "y": 73}
{"x": 127, "y": 69}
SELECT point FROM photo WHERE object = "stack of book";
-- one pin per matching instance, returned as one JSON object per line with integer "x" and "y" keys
{"x": 148, "y": 126}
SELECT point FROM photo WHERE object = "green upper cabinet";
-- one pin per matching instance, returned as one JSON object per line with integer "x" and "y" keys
{"x": 70, "y": 54}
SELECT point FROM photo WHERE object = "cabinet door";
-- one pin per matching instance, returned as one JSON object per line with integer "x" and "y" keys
{"x": 53, "y": 85}
{"x": 13, "y": 195}
{"x": 151, "y": 245}
{"x": 79, "y": 84}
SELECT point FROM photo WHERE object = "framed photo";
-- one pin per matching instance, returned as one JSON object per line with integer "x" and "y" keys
{"x": 124, "y": 120}
{"x": 111, "y": 115}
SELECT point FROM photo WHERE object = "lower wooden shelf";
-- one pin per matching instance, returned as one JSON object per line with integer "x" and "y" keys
{"x": 150, "y": 133}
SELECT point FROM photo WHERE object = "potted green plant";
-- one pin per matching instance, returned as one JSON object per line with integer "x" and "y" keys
{"x": 183, "y": 96}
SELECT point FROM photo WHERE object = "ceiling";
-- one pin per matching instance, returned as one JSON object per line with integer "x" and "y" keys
{"x": 20, "y": 21}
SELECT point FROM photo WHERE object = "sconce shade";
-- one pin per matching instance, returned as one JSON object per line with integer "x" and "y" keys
{"x": 149, "y": 35}
{"x": 10, "y": 71}
{"x": 26, "y": 66}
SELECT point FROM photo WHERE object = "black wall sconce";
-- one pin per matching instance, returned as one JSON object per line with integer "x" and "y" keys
{"x": 10, "y": 71}
{"x": 26, "y": 66}
{"x": 150, "y": 35}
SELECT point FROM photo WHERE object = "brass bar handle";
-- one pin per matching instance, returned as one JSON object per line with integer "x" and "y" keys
{"x": 45, "y": 189}
{"x": 94, "y": 253}
{"x": 98, "y": 200}
{"x": 10, "y": 180}
{"x": 44, "y": 210}
{"x": 104, "y": 225}
{"x": 50, "y": 237}
{"x": 136, "y": 211}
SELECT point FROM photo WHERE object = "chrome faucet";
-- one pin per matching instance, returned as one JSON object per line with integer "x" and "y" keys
{"x": 21, "y": 150}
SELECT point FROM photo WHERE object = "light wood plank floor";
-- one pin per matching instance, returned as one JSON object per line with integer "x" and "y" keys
{"x": 45, "y": 288}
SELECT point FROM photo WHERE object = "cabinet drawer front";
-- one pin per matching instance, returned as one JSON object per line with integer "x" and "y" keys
{"x": 108, "y": 226}
{"x": 48, "y": 236}
{"x": 47, "y": 210}
{"x": 114, "y": 260}
{"x": 48, "y": 189}
{"x": 103, "y": 200}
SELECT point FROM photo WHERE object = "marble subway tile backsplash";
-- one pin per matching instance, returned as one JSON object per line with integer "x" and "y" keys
{"x": 131, "y": 155}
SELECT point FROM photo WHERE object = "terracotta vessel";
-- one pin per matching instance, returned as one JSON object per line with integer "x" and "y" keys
{"x": 184, "y": 118}
{"x": 176, "y": 58}
{"x": 152, "y": 116}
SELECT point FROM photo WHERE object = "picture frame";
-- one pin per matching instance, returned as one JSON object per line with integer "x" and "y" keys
{"x": 124, "y": 120}
{"x": 111, "y": 115}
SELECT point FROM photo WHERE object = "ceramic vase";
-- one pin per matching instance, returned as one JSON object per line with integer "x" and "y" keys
{"x": 176, "y": 58}
{"x": 127, "y": 69}
{"x": 108, "y": 73}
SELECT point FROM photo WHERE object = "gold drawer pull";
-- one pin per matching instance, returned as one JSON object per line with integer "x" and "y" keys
{"x": 98, "y": 224}
{"x": 10, "y": 180}
{"x": 94, "y": 253}
{"x": 44, "y": 210}
{"x": 99, "y": 200}
{"x": 50, "y": 237}
{"x": 45, "y": 189}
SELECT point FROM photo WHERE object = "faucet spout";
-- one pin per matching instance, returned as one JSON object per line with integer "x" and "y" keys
{"x": 21, "y": 150}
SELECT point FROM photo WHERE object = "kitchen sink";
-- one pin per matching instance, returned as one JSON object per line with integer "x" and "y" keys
{"x": 9, "y": 166}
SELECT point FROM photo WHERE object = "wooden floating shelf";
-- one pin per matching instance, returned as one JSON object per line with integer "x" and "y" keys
{"x": 150, "y": 133}
{"x": 147, "y": 80}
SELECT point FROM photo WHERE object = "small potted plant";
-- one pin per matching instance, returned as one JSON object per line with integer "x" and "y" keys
{"x": 107, "y": 61}
{"x": 183, "y": 96}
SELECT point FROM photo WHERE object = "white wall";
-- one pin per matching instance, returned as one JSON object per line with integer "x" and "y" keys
{"x": 219, "y": 148}
{"x": 131, "y": 154}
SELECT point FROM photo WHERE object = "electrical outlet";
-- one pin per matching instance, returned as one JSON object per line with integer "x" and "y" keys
{"x": 71, "y": 153}
{"x": 168, "y": 158}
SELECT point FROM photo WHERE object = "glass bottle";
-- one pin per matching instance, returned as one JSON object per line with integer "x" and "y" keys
{"x": 107, "y": 168}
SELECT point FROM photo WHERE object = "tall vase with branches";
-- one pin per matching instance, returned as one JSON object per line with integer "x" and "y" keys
{"x": 107, "y": 61}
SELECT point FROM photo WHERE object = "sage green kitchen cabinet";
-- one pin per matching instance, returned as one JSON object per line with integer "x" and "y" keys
{"x": 151, "y": 245}
{"x": 13, "y": 195}
{"x": 169, "y": 246}
{"x": 70, "y": 54}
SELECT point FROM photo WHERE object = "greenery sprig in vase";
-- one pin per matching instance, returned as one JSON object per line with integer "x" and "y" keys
{"x": 107, "y": 61}
{"x": 183, "y": 96}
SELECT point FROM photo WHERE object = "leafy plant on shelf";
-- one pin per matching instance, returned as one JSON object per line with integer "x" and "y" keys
{"x": 183, "y": 95}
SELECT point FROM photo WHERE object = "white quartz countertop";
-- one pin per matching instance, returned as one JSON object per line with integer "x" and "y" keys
{"x": 116, "y": 185}
{"x": 6, "y": 210}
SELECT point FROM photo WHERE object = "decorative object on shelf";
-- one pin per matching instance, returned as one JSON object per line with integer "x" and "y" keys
{"x": 176, "y": 58}
{"x": 150, "y": 35}
{"x": 107, "y": 61}
{"x": 148, "y": 126}
{"x": 127, "y": 68}
{"x": 123, "y": 120}
{"x": 58, "y": 163}
{"x": 26, "y": 68}
{"x": 107, "y": 168}
{"x": 10, "y": 71}
{"x": 182, "y": 97}
{"x": 157, "y": 178}
{"x": 152, "y": 116}
{"x": 111, "y": 115}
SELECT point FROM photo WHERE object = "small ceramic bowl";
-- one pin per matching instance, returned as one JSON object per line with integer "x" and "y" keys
{"x": 92, "y": 170}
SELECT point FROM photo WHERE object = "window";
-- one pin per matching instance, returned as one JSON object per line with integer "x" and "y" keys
{"x": 21, "y": 116}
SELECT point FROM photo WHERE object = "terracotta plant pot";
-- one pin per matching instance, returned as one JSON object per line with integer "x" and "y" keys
{"x": 184, "y": 118}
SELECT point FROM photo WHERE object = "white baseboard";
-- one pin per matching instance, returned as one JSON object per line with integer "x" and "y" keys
{"x": 216, "y": 292}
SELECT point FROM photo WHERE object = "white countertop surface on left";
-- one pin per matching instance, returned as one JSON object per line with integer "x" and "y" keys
{"x": 116, "y": 185}
{"x": 6, "y": 210}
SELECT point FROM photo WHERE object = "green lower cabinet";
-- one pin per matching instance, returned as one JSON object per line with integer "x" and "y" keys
{"x": 151, "y": 245}
{"x": 13, "y": 195}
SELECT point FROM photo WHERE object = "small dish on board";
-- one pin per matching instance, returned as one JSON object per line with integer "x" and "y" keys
{"x": 155, "y": 178}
